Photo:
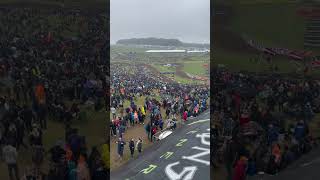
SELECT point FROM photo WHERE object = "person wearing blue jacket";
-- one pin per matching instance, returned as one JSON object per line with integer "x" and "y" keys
{"x": 121, "y": 144}
{"x": 273, "y": 134}
{"x": 300, "y": 131}
{"x": 72, "y": 170}
{"x": 131, "y": 117}
{"x": 251, "y": 168}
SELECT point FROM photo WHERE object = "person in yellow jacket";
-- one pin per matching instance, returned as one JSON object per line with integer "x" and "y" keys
{"x": 105, "y": 155}
{"x": 143, "y": 112}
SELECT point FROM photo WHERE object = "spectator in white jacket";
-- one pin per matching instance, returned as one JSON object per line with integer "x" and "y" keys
{"x": 10, "y": 156}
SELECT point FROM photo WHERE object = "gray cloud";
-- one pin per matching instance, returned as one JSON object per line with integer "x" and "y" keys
{"x": 187, "y": 20}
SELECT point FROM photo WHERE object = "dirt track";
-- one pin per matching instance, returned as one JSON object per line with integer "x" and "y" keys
{"x": 181, "y": 73}
{"x": 154, "y": 70}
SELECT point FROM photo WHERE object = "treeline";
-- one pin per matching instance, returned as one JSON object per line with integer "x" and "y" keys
{"x": 160, "y": 42}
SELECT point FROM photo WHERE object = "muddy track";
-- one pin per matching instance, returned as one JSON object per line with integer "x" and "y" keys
{"x": 181, "y": 73}
{"x": 155, "y": 71}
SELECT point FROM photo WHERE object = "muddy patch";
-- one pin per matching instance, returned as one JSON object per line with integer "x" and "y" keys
{"x": 156, "y": 72}
{"x": 181, "y": 73}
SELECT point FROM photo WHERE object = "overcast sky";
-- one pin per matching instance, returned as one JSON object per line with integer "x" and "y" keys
{"x": 186, "y": 20}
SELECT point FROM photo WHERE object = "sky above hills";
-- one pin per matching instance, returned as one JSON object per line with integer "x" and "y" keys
{"x": 186, "y": 20}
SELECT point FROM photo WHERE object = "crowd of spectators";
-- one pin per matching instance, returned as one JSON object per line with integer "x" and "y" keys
{"x": 165, "y": 103}
{"x": 261, "y": 123}
{"x": 51, "y": 58}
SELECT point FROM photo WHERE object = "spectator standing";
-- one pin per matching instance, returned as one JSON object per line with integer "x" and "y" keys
{"x": 240, "y": 169}
{"x": 10, "y": 156}
{"x": 131, "y": 146}
{"x": 121, "y": 144}
{"x": 113, "y": 111}
{"x": 139, "y": 145}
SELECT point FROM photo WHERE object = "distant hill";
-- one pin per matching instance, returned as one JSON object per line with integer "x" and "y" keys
{"x": 160, "y": 42}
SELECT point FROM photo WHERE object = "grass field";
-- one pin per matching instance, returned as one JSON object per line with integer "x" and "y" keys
{"x": 241, "y": 61}
{"x": 126, "y": 49}
{"x": 190, "y": 64}
{"x": 162, "y": 68}
{"x": 191, "y": 67}
{"x": 270, "y": 23}
{"x": 195, "y": 67}
{"x": 185, "y": 81}
{"x": 274, "y": 25}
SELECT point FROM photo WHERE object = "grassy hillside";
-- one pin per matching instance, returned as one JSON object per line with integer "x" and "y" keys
{"x": 195, "y": 67}
{"x": 272, "y": 24}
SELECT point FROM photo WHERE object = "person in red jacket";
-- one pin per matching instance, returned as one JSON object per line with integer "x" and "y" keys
{"x": 240, "y": 169}
{"x": 244, "y": 118}
{"x": 185, "y": 115}
{"x": 153, "y": 132}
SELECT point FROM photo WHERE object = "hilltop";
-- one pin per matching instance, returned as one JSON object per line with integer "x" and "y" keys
{"x": 160, "y": 42}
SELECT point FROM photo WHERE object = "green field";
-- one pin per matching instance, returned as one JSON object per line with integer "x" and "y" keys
{"x": 191, "y": 67}
{"x": 185, "y": 81}
{"x": 274, "y": 25}
{"x": 162, "y": 68}
{"x": 195, "y": 67}
{"x": 268, "y": 22}
{"x": 189, "y": 64}
{"x": 126, "y": 49}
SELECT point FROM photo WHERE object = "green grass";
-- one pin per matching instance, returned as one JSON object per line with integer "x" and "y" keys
{"x": 162, "y": 68}
{"x": 241, "y": 61}
{"x": 191, "y": 67}
{"x": 194, "y": 67}
{"x": 185, "y": 81}
{"x": 273, "y": 25}
{"x": 236, "y": 61}
{"x": 93, "y": 128}
{"x": 126, "y": 49}
{"x": 193, "y": 64}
